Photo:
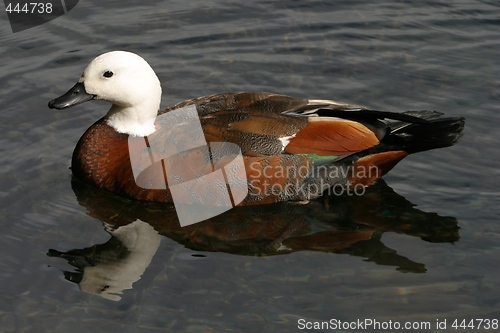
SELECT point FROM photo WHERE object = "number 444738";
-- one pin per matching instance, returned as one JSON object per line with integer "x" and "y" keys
{"x": 475, "y": 324}
{"x": 30, "y": 8}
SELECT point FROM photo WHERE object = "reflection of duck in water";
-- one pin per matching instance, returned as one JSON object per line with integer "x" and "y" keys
{"x": 342, "y": 224}
{"x": 290, "y": 144}
{"x": 108, "y": 269}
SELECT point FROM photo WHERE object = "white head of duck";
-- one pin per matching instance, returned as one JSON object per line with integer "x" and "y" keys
{"x": 128, "y": 82}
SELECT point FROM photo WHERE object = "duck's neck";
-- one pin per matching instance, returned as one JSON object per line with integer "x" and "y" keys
{"x": 135, "y": 120}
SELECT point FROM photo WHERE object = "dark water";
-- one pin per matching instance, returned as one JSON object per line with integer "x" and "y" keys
{"x": 422, "y": 248}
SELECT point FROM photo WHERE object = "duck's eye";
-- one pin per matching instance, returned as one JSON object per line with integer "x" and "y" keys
{"x": 107, "y": 74}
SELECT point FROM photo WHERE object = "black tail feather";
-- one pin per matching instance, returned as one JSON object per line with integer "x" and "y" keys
{"x": 436, "y": 133}
{"x": 410, "y": 131}
{"x": 363, "y": 115}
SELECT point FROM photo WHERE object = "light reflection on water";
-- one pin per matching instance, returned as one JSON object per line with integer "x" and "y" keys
{"x": 338, "y": 224}
{"x": 391, "y": 55}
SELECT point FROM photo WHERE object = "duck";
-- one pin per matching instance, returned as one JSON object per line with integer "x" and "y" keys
{"x": 289, "y": 148}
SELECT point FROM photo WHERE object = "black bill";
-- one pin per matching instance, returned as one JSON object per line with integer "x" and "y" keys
{"x": 74, "y": 96}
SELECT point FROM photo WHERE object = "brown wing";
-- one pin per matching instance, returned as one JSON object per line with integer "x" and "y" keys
{"x": 332, "y": 137}
{"x": 270, "y": 124}
{"x": 256, "y": 133}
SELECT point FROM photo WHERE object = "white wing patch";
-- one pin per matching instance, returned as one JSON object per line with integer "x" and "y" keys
{"x": 324, "y": 101}
{"x": 286, "y": 140}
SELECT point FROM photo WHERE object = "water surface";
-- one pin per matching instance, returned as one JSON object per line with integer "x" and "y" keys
{"x": 422, "y": 247}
